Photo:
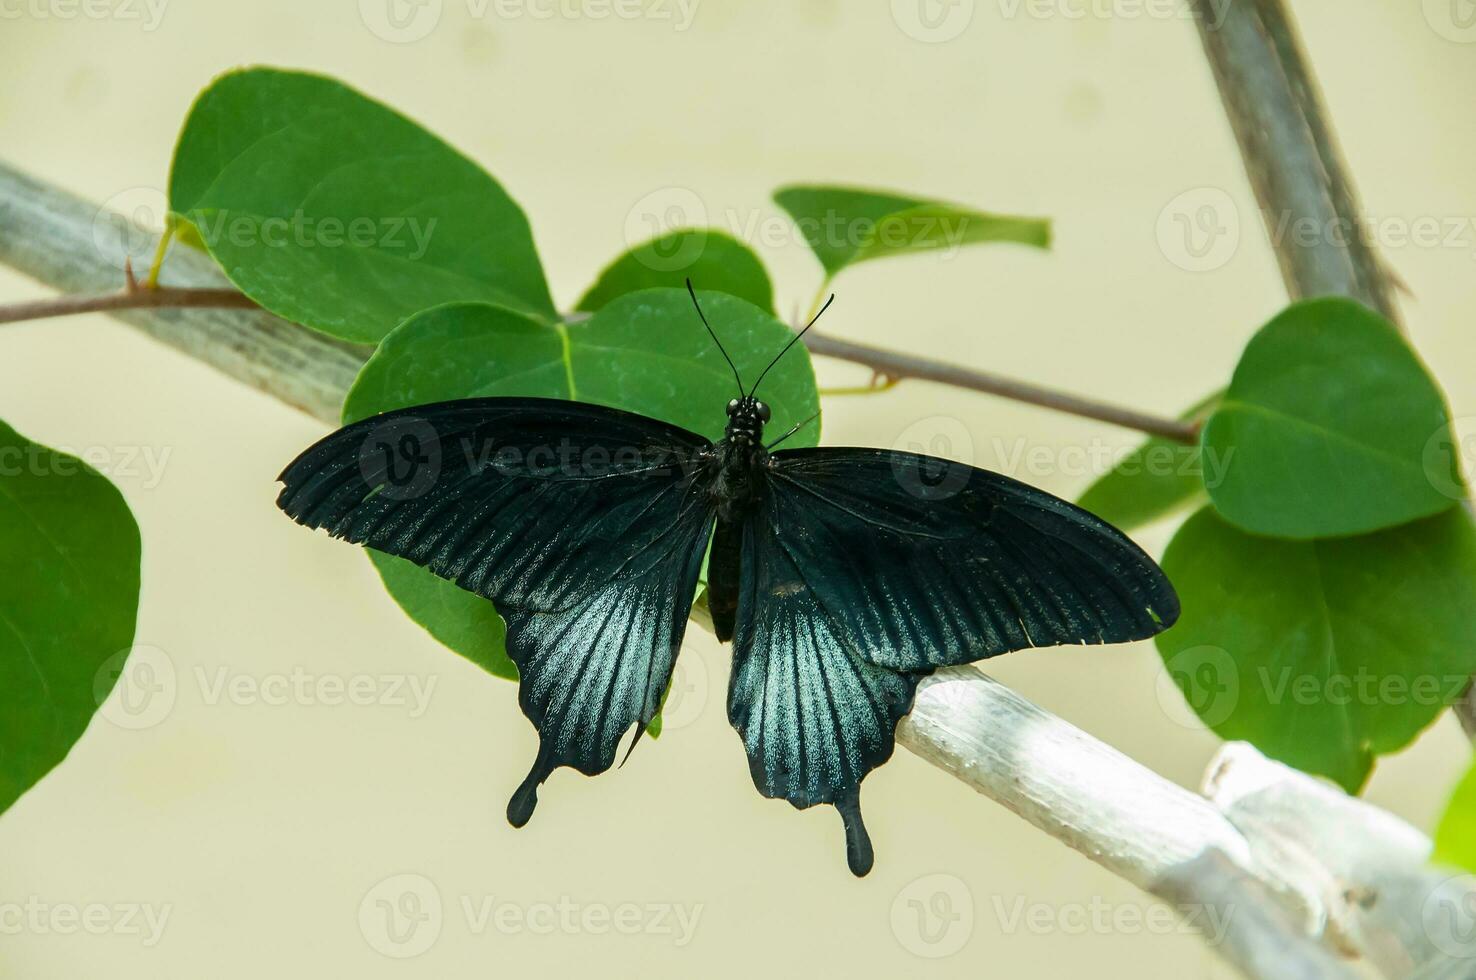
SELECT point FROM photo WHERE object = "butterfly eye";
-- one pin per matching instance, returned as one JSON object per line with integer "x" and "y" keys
{"x": 763, "y": 412}
{"x": 732, "y": 406}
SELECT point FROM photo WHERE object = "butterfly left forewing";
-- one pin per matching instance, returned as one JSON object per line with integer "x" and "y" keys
{"x": 585, "y": 526}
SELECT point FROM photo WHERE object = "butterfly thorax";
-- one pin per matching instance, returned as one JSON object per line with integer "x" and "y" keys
{"x": 740, "y": 462}
{"x": 740, "y": 457}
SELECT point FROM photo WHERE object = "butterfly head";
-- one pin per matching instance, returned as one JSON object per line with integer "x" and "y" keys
{"x": 746, "y": 418}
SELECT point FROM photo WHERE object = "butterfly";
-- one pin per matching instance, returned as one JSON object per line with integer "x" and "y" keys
{"x": 841, "y": 576}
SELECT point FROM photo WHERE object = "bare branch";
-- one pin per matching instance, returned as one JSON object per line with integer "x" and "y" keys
{"x": 1290, "y": 154}
{"x": 143, "y": 298}
{"x": 896, "y": 365}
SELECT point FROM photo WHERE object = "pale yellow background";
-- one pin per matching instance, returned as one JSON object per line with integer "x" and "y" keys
{"x": 262, "y": 828}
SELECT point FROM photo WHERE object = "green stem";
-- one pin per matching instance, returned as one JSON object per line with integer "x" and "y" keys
{"x": 159, "y": 252}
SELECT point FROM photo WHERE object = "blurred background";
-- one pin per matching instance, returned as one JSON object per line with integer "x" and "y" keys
{"x": 255, "y": 830}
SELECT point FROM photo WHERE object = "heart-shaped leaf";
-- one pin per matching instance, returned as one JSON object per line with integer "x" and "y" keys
{"x": 1156, "y": 479}
{"x": 645, "y": 352}
{"x": 712, "y": 260}
{"x": 1323, "y": 653}
{"x": 1327, "y": 418}
{"x": 334, "y": 211}
{"x": 845, "y": 225}
{"x": 1455, "y": 838}
{"x": 69, "y": 580}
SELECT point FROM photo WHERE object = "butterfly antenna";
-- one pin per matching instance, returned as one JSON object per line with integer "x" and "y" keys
{"x": 693, "y": 293}
{"x": 792, "y": 431}
{"x": 794, "y": 340}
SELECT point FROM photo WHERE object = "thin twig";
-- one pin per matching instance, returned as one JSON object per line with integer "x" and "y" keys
{"x": 143, "y": 298}
{"x": 897, "y": 365}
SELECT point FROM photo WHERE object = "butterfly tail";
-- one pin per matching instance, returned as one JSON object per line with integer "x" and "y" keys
{"x": 859, "y": 855}
{"x": 525, "y": 797}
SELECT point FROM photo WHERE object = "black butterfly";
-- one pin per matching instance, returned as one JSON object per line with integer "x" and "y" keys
{"x": 842, "y": 576}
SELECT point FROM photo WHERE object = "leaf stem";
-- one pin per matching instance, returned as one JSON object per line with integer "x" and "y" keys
{"x": 820, "y": 294}
{"x": 879, "y": 383}
{"x": 159, "y": 252}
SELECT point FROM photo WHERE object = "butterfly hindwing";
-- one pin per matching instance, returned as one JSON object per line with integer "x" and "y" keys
{"x": 927, "y": 563}
{"x": 862, "y": 571}
{"x": 814, "y": 716}
{"x": 585, "y": 526}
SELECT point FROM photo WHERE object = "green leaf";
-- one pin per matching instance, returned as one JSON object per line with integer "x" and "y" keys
{"x": 1455, "y": 838}
{"x": 461, "y": 620}
{"x": 69, "y": 581}
{"x": 1327, "y": 419}
{"x": 334, "y": 211}
{"x": 1323, "y": 653}
{"x": 711, "y": 259}
{"x": 1155, "y": 479}
{"x": 645, "y": 352}
{"x": 844, "y": 226}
